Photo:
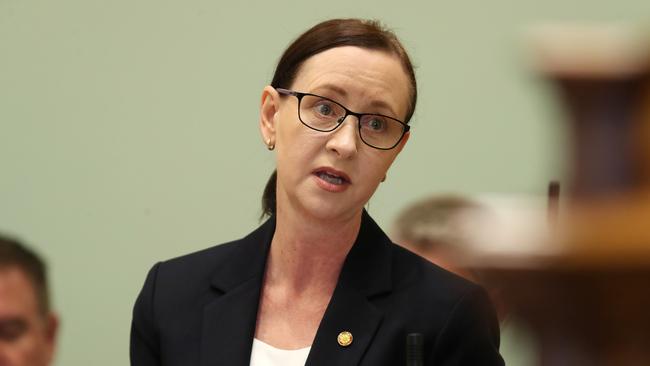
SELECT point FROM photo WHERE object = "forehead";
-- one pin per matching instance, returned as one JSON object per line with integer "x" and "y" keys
{"x": 17, "y": 294}
{"x": 366, "y": 76}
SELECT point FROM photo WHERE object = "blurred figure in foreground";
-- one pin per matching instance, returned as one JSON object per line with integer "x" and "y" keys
{"x": 27, "y": 325}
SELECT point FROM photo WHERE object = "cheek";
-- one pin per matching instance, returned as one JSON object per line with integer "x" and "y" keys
{"x": 38, "y": 350}
{"x": 298, "y": 143}
{"x": 376, "y": 165}
{"x": 24, "y": 351}
{"x": 287, "y": 132}
{"x": 296, "y": 152}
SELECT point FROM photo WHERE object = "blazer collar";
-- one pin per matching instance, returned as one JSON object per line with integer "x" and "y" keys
{"x": 228, "y": 325}
{"x": 246, "y": 260}
{"x": 229, "y": 321}
{"x": 367, "y": 266}
{"x": 366, "y": 273}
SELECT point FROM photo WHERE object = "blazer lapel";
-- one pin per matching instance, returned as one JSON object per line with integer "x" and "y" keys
{"x": 366, "y": 274}
{"x": 229, "y": 326}
{"x": 348, "y": 311}
{"x": 229, "y": 320}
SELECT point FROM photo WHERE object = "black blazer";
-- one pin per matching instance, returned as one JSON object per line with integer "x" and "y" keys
{"x": 200, "y": 309}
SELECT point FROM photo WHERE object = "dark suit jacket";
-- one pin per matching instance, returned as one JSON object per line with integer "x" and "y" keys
{"x": 200, "y": 309}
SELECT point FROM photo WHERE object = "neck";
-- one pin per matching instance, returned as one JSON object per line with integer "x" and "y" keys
{"x": 307, "y": 253}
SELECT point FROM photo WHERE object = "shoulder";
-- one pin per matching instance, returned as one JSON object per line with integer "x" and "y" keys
{"x": 424, "y": 292}
{"x": 172, "y": 301}
{"x": 377, "y": 263}
{"x": 172, "y": 283}
{"x": 455, "y": 314}
{"x": 197, "y": 265}
{"x": 195, "y": 279}
{"x": 411, "y": 271}
{"x": 238, "y": 258}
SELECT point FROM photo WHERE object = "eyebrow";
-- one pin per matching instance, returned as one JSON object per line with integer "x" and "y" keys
{"x": 375, "y": 103}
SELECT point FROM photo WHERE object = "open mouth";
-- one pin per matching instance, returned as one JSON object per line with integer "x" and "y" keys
{"x": 332, "y": 177}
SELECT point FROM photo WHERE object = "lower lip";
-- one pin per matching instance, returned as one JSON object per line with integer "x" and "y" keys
{"x": 335, "y": 188}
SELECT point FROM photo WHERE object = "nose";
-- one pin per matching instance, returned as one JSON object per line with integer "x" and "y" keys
{"x": 344, "y": 140}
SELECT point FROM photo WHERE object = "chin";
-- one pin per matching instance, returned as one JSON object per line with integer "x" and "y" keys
{"x": 331, "y": 210}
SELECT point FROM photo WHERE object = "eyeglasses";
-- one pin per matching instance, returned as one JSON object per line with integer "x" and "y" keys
{"x": 325, "y": 115}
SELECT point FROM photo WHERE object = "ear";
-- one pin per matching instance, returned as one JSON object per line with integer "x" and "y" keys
{"x": 51, "y": 331}
{"x": 52, "y": 327}
{"x": 270, "y": 105}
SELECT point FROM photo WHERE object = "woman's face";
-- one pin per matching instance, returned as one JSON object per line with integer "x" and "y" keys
{"x": 331, "y": 175}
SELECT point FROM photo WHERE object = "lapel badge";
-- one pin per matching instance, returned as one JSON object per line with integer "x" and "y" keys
{"x": 344, "y": 338}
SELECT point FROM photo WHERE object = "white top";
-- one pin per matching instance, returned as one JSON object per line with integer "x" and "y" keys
{"x": 266, "y": 355}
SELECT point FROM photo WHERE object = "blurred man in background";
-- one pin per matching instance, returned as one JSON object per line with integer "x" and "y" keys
{"x": 27, "y": 325}
{"x": 437, "y": 229}
{"x": 444, "y": 229}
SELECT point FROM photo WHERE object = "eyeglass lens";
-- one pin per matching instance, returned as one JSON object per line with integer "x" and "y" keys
{"x": 325, "y": 115}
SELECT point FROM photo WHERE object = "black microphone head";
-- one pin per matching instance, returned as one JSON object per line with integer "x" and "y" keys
{"x": 414, "y": 342}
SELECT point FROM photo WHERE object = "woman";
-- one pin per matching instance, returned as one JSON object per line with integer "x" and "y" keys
{"x": 319, "y": 283}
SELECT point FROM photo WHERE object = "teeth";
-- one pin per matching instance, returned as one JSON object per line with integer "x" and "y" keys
{"x": 330, "y": 178}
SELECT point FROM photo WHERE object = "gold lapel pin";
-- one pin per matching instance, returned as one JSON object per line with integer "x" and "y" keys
{"x": 344, "y": 338}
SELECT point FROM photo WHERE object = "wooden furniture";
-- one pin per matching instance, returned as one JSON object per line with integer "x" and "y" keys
{"x": 588, "y": 301}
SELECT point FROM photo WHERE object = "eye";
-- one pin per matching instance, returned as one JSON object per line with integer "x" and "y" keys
{"x": 324, "y": 108}
{"x": 12, "y": 329}
{"x": 374, "y": 124}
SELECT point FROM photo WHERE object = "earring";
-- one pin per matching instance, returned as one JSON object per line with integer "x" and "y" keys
{"x": 269, "y": 145}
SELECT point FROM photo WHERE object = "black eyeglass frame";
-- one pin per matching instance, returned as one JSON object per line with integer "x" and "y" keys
{"x": 406, "y": 128}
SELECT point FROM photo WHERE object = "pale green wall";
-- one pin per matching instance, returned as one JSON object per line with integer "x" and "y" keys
{"x": 128, "y": 129}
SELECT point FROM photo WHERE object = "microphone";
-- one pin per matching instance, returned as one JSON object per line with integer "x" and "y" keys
{"x": 414, "y": 343}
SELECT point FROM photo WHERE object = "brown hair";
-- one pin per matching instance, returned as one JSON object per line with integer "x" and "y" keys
{"x": 15, "y": 255}
{"x": 329, "y": 34}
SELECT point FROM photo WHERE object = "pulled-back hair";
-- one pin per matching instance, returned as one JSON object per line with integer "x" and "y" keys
{"x": 15, "y": 255}
{"x": 368, "y": 34}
